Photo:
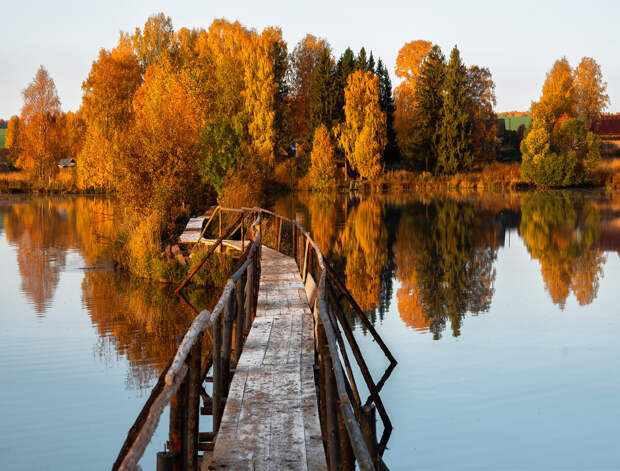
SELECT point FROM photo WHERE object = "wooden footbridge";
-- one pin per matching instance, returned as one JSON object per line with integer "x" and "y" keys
{"x": 274, "y": 352}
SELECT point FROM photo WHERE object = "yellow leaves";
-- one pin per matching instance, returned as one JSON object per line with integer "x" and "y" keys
{"x": 408, "y": 65}
{"x": 590, "y": 89}
{"x": 242, "y": 82}
{"x": 409, "y": 60}
{"x": 323, "y": 169}
{"x": 363, "y": 134}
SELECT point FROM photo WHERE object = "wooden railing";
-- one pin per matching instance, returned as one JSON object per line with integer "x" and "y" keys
{"x": 348, "y": 424}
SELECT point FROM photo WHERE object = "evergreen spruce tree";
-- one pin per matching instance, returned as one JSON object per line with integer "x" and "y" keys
{"x": 454, "y": 134}
{"x": 323, "y": 94}
{"x": 429, "y": 103}
{"x": 344, "y": 68}
{"x": 361, "y": 62}
{"x": 371, "y": 64}
{"x": 282, "y": 117}
{"x": 386, "y": 100}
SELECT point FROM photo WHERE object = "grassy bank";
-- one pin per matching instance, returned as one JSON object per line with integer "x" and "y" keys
{"x": 19, "y": 182}
{"x": 146, "y": 247}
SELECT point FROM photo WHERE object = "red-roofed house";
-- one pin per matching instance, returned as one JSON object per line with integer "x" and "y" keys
{"x": 607, "y": 127}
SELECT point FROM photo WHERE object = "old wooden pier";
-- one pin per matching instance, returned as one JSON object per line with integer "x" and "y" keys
{"x": 275, "y": 354}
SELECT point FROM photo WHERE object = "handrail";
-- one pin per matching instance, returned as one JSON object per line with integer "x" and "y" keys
{"x": 360, "y": 433}
{"x": 174, "y": 374}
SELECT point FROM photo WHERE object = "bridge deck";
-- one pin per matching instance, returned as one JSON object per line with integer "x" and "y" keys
{"x": 271, "y": 417}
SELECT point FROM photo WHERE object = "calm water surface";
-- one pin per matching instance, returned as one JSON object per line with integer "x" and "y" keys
{"x": 504, "y": 315}
{"x": 80, "y": 345}
{"x": 502, "y": 311}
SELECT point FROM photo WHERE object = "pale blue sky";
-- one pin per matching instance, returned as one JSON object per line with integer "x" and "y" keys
{"x": 518, "y": 41}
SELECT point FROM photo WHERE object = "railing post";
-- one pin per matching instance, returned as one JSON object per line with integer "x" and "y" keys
{"x": 249, "y": 293}
{"x": 178, "y": 425}
{"x": 217, "y": 373}
{"x": 194, "y": 379}
{"x": 239, "y": 327}
{"x": 368, "y": 426}
{"x": 279, "y": 234}
{"x": 220, "y": 235}
{"x": 328, "y": 396}
{"x": 304, "y": 271}
{"x": 226, "y": 344}
{"x": 294, "y": 240}
{"x": 242, "y": 232}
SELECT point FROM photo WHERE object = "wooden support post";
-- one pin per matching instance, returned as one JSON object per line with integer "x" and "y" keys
{"x": 178, "y": 426}
{"x": 294, "y": 241}
{"x": 228, "y": 315}
{"x": 348, "y": 458}
{"x": 242, "y": 232}
{"x": 220, "y": 235}
{"x": 331, "y": 404}
{"x": 193, "y": 406}
{"x": 249, "y": 292}
{"x": 368, "y": 426}
{"x": 304, "y": 272}
{"x": 320, "y": 346}
{"x": 239, "y": 318}
{"x": 279, "y": 234}
{"x": 217, "y": 374}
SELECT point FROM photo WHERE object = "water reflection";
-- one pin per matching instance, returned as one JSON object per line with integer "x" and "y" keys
{"x": 136, "y": 319}
{"x": 442, "y": 251}
{"x": 133, "y": 318}
{"x": 444, "y": 257}
{"x": 560, "y": 231}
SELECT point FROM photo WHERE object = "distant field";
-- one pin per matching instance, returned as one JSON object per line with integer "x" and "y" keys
{"x": 2, "y": 134}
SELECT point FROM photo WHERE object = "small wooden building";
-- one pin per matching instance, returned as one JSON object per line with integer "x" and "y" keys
{"x": 66, "y": 163}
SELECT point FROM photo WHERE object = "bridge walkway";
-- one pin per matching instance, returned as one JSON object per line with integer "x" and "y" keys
{"x": 271, "y": 416}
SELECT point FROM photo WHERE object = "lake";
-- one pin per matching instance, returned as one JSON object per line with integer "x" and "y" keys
{"x": 501, "y": 310}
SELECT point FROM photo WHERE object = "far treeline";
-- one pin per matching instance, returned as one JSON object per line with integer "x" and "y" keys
{"x": 170, "y": 117}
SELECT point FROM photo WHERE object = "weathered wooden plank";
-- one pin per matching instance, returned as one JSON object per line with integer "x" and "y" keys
{"x": 271, "y": 417}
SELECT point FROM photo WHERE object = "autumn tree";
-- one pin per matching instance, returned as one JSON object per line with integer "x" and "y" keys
{"x": 559, "y": 150}
{"x": 454, "y": 141}
{"x": 304, "y": 59}
{"x": 323, "y": 163}
{"x": 363, "y": 134}
{"x": 107, "y": 113}
{"x": 590, "y": 90}
{"x": 39, "y": 143}
{"x": 159, "y": 166}
{"x": 427, "y": 114}
{"x": 558, "y": 95}
{"x": 481, "y": 93}
{"x": 408, "y": 66}
{"x": 12, "y": 139}
{"x": 154, "y": 40}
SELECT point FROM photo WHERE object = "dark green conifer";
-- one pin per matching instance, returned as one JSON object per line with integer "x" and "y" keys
{"x": 454, "y": 134}
{"x": 361, "y": 62}
{"x": 371, "y": 64}
{"x": 386, "y": 100}
{"x": 429, "y": 103}
{"x": 344, "y": 68}
{"x": 323, "y": 91}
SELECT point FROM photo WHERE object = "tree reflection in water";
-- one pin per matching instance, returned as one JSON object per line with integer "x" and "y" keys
{"x": 444, "y": 255}
{"x": 137, "y": 319}
{"x": 560, "y": 230}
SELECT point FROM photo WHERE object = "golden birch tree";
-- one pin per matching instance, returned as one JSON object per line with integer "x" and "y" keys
{"x": 362, "y": 136}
